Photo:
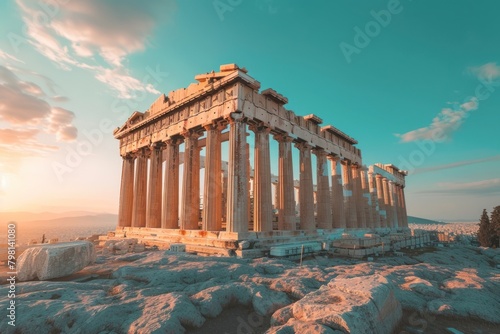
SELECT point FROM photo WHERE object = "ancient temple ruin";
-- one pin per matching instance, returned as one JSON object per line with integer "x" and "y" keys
{"x": 165, "y": 198}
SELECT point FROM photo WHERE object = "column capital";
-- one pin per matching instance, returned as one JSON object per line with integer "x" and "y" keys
{"x": 346, "y": 162}
{"x": 303, "y": 146}
{"x": 260, "y": 128}
{"x": 214, "y": 125}
{"x": 319, "y": 151}
{"x": 191, "y": 134}
{"x": 333, "y": 157}
{"x": 157, "y": 145}
{"x": 174, "y": 140}
{"x": 235, "y": 117}
{"x": 283, "y": 138}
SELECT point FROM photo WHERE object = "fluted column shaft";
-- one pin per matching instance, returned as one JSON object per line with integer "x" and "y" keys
{"x": 387, "y": 202}
{"x": 394, "y": 204}
{"x": 381, "y": 201}
{"x": 374, "y": 200}
{"x": 403, "y": 206}
{"x": 323, "y": 190}
{"x": 338, "y": 213}
{"x": 367, "y": 201}
{"x": 306, "y": 188}
{"x": 170, "y": 212}
{"x": 349, "y": 195}
{"x": 126, "y": 192}
{"x": 286, "y": 191}
{"x": 358, "y": 196}
{"x": 262, "y": 191}
{"x": 140, "y": 188}
{"x": 212, "y": 194}
{"x": 153, "y": 213}
{"x": 190, "y": 184}
{"x": 238, "y": 175}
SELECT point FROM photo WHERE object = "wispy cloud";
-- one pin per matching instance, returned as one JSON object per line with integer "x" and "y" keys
{"x": 23, "y": 107}
{"x": 98, "y": 36}
{"x": 443, "y": 125}
{"x": 455, "y": 164}
{"x": 487, "y": 72}
{"x": 483, "y": 187}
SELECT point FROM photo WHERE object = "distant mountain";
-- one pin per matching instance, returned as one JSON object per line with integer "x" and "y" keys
{"x": 93, "y": 218}
{"x": 23, "y": 216}
{"x": 417, "y": 220}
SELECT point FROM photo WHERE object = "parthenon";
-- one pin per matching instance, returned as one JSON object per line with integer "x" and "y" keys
{"x": 181, "y": 180}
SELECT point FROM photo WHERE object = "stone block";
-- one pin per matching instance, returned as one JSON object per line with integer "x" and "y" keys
{"x": 178, "y": 247}
{"x": 56, "y": 260}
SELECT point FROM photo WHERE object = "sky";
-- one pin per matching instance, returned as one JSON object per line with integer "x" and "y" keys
{"x": 417, "y": 83}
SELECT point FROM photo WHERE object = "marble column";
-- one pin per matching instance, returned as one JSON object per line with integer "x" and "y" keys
{"x": 349, "y": 195}
{"x": 374, "y": 200}
{"x": 224, "y": 195}
{"x": 367, "y": 200}
{"x": 238, "y": 175}
{"x": 306, "y": 188}
{"x": 126, "y": 192}
{"x": 358, "y": 196}
{"x": 381, "y": 200}
{"x": 403, "y": 205}
{"x": 190, "y": 204}
{"x": 338, "y": 213}
{"x": 262, "y": 191}
{"x": 394, "y": 204}
{"x": 286, "y": 191}
{"x": 323, "y": 190}
{"x": 140, "y": 189}
{"x": 212, "y": 194}
{"x": 170, "y": 212}
{"x": 153, "y": 213}
{"x": 399, "y": 207}
{"x": 387, "y": 202}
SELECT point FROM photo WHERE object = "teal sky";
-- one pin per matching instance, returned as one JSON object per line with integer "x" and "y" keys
{"x": 417, "y": 83}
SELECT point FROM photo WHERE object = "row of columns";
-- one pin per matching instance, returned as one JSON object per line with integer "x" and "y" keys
{"x": 356, "y": 198}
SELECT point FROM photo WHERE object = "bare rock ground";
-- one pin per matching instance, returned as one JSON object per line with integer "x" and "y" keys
{"x": 164, "y": 292}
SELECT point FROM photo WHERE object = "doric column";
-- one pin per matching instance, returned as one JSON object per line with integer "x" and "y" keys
{"x": 238, "y": 175}
{"x": 399, "y": 208}
{"x": 224, "y": 195}
{"x": 374, "y": 200}
{"x": 212, "y": 194}
{"x": 140, "y": 187}
{"x": 286, "y": 191}
{"x": 153, "y": 212}
{"x": 170, "y": 212}
{"x": 126, "y": 192}
{"x": 387, "y": 202}
{"x": 190, "y": 204}
{"x": 358, "y": 196}
{"x": 306, "y": 188}
{"x": 367, "y": 200}
{"x": 338, "y": 212}
{"x": 394, "y": 204}
{"x": 350, "y": 200}
{"x": 381, "y": 200}
{"x": 323, "y": 190}
{"x": 262, "y": 192}
{"x": 403, "y": 207}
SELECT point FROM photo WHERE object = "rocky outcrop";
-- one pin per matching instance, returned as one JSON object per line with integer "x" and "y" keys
{"x": 54, "y": 260}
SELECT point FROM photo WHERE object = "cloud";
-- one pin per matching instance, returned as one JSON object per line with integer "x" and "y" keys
{"x": 484, "y": 187}
{"x": 456, "y": 164}
{"x": 8, "y": 57}
{"x": 96, "y": 35}
{"x": 443, "y": 125}
{"x": 23, "y": 108}
{"x": 487, "y": 72}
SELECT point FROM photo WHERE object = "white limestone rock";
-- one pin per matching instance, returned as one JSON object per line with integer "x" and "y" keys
{"x": 55, "y": 260}
{"x": 265, "y": 302}
{"x": 353, "y": 305}
{"x": 310, "y": 327}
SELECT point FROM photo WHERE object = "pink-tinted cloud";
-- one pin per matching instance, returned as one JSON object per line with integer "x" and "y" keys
{"x": 85, "y": 33}
{"x": 487, "y": 72}
{"x": 443, "y": 125}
